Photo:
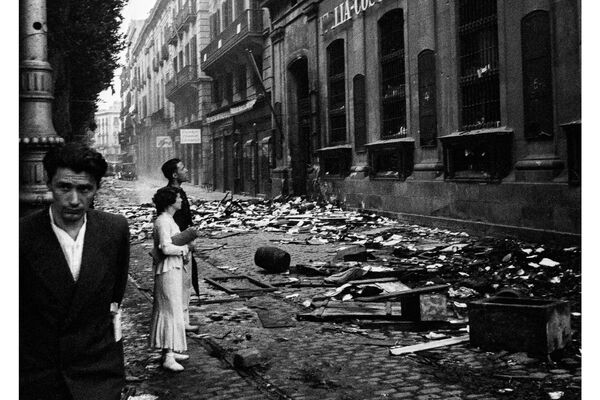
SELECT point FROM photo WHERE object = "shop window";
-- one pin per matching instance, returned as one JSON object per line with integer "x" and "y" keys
{"x": 335, "y": 162}
{"x": 360, "y": 112}
{"x": 393, "y": 96}
{"x": 250, "y": 158}
{"x": 337, "y": 92}
{"x": 427, "y": 99}
{"x": 480, "y": 155}
{"x": 478, "y": 54}
{"x": 267, "y": 152}
{"x": 391, "y": 159}
{"x": 573, "y": 132}
{"x": 537, "y": 75}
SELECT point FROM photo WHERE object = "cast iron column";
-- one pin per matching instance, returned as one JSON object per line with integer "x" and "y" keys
{"x": 36, "y": 130}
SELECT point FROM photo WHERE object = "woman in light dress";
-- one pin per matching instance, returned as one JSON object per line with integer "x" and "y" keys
{"x": 167, "y": 331}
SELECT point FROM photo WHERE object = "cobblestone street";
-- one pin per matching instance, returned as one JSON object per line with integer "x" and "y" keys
{"x": 306, "y": 360}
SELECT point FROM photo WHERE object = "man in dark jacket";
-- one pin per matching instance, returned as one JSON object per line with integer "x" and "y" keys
{"x": 72, "y": 274}
{"x": 176, "y": 173}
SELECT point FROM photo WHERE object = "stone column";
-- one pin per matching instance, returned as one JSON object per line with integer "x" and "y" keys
{"x": 36, "y": 130}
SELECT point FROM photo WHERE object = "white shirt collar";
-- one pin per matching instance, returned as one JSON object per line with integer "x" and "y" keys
{"x": 72, "y": 249}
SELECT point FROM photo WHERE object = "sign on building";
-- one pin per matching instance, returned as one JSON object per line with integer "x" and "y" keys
{"x": 191, "y": 136}
{"x": 164, "y": 142}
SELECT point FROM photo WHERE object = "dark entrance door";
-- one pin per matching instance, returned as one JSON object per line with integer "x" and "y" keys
{"x": 300, "y": 126}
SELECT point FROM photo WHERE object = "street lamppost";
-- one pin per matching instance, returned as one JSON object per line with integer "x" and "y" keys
{"x": 36, "y": 130}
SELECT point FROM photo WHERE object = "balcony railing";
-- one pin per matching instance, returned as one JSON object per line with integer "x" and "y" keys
{"x": 249, "y": 23}
{"x": 171, "y": 35}
{"x": 185, "y": 76}
{"x": 186, "y": 16}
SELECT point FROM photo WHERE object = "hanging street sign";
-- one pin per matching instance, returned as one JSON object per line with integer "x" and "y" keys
{"x": 164, "y": 142}
{"x": 190, "y": 136}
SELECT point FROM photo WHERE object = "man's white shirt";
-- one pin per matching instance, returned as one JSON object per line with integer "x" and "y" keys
{"x": 72, "y": 249}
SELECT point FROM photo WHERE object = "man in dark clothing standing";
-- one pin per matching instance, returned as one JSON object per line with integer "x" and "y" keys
{"x": 73, "y": 264}
{"x": 176, "y": 172}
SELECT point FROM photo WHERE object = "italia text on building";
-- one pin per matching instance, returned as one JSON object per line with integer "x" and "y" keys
{"x": 345, "y": 11}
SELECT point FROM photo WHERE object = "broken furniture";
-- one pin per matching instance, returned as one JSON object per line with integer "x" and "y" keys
{"x": 537, "y": 326}
{"x": 242, "y": 285}
{"x": 419, "y": 304}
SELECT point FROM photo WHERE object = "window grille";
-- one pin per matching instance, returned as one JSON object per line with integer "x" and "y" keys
{"x": 337, "y": 91}
{"x": 478, "y": 52}
{"x": 537, "y": 75}
{"x": 393, "y": 96}
{"x": 360, "y": 111}
{"x": 427, "y": 99}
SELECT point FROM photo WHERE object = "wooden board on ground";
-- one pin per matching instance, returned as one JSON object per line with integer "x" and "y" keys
{"x": 404, "y": 293}
{"x": 242, "y": 285}
{"x": 398, "y": 350}
{"x": 352, "y": 310}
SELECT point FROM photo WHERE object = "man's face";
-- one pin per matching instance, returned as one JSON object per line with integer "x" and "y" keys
{"x": 182, "y": 172}
{"x": 73, "y": 193}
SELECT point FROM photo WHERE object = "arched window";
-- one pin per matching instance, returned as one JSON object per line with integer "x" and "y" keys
{"x": 393, "y": 94}
{"x": 478, "y": 52}
{"x": 336, "y": 74}
{"x": 537, "y": 75}
{"x": 427, "y": 99}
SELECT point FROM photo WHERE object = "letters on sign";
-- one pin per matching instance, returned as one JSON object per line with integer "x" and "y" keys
{"x": 345, "y": 11}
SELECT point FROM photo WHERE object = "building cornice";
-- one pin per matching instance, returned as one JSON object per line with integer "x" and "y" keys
{"x": 149, "y": 24}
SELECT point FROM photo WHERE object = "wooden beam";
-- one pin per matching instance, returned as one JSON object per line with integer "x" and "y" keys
{"x": 404, "y": 293}
{"x": 398, "y": 350}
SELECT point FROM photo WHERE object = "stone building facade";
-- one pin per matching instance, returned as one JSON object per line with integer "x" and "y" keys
{"x": 455, "y": 111}
{"x": 239, "y": 118}
{"x": 166, "y": 88}
{"x": 108, "y": 128}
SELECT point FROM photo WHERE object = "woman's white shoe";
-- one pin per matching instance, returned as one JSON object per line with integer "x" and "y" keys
{"x": 180, "y": 357}
{"x": 171, "y": 364}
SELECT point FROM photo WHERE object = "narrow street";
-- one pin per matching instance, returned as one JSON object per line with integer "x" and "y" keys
{"x": 311, "y": 357}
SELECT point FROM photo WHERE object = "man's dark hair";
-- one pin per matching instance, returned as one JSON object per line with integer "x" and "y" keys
{"x": 77, "y": 157}
{"x": 169, "y": 168}
{"x": 163, "y": 198}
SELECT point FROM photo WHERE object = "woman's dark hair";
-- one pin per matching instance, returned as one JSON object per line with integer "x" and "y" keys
{"x": 77, "y": 157}
{"x": 163, "y": 198}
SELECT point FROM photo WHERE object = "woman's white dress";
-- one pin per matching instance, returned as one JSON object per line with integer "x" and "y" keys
{"x": 167, "y": 330}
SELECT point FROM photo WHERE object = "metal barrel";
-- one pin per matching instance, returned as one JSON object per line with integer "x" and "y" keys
{"x": 272, "y": 259}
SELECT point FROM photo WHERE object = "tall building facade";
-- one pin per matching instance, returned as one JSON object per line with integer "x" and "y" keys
{"x": 108, "y": 128}
{"x": 167, "y": 89}
{"x": 239, "y": 119}
{"x": 465, "y": 110}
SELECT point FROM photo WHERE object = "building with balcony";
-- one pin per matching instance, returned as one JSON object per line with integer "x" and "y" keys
{"x": 167, "y": 90}
{"x": 239, "y": 117}
{"x": 456, "y": 112}
{"x": 106, "y": 134}
{"x": 129, "y": 116}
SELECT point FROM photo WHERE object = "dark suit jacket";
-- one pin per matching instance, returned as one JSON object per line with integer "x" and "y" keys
{"x": 65, "y": 328}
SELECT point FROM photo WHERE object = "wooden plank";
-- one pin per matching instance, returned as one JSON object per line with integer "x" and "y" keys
{"x": 404, "y": 293}
{"x": 398, "y": 350}
{"x": 374, "y": 280}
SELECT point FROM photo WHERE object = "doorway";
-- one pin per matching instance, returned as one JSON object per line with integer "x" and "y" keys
{"x": 300, "y": 131}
